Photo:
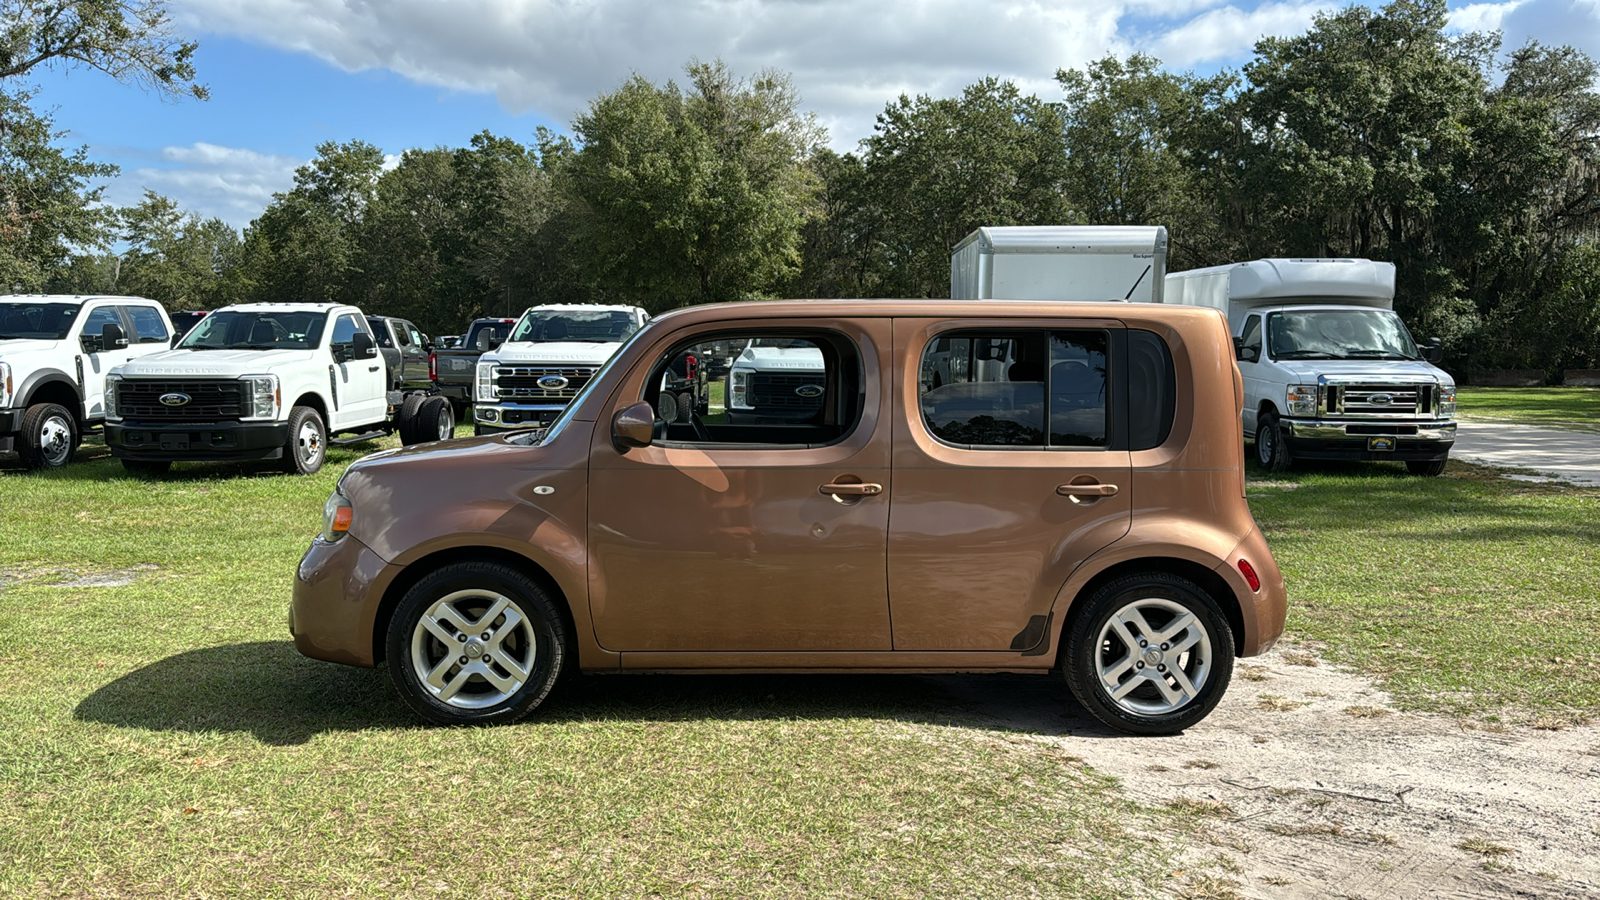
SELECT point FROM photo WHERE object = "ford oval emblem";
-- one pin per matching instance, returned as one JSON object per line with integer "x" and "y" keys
{"x": 553, "y": 382}
{"x": 174, "y": 399}
{"x": 809, "y": 391}
{"x": 1381, "y": 399}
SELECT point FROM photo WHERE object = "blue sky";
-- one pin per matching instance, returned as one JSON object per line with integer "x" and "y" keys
{"x": 286, "y": 75}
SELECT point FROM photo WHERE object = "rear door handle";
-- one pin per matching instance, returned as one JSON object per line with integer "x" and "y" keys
{"x": 851, "y": 490}
{"x": 1087, "y": 490}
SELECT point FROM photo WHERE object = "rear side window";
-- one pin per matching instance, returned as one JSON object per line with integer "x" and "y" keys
{"x": 1017, "y": 388}
{"x": 1152, "y": 390}
{"x": 148, "y": 326}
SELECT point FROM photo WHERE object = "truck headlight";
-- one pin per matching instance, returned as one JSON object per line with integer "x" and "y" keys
{"x": 1447, "y": 402}
{"x": 1301, "y": 399}
{"x": 5, "y": 386}
{"x": 486, "y": 382}
{"x": 337, "y": 514}
{"x": 113, "y": 388}
{"x": 261, "y": 397}
{"x": 739, "y": 389}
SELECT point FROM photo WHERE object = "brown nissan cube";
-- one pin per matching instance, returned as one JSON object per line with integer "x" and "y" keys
{"x": 868, "y": 486}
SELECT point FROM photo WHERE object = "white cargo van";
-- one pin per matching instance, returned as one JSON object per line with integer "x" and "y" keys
{"x": 1330, "y": 371}
{"x": 1060, "y": 262}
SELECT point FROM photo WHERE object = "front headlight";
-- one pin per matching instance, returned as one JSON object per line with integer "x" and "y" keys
{"x": 486, "y": 382}
{"x": 739, "y": 389}
{"x": 261, "y": 397}
{"x": 5, "y": 386}
{"x": 113, "y": 387}
{"x": 1447, "y": 402}
{"x": 1301, "y": 399}
{"x": 336, "y": 516}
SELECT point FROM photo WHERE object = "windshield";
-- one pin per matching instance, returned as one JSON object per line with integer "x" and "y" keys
{"x": 1339, "y": 334}
{"x": 256, "y": 330}
{"x": 601, "y": 326}
{"x": 36, "y": 320}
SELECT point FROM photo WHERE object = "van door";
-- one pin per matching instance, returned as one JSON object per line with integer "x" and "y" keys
{"x": 1006, "y": 476}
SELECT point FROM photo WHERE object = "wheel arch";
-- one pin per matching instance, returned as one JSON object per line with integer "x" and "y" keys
{"x": 313, "y": 400}
{"x": 1203, "y": 577}
{"x": 52, "y": 386}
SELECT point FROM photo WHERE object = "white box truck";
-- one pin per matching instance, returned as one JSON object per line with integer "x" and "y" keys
{"x": 1060, "y": 262}
{"x": 1330, "y": 371}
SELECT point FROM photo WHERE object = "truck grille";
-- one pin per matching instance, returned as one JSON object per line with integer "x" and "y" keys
{"x": 522, "y": 382}
{"x": 209, "y": 401}
{"x": 778, "y": 391}
{"x": 1380, "y": 399}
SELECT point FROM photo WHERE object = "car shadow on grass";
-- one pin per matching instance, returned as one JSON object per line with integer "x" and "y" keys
{"x": 282, "y": 698}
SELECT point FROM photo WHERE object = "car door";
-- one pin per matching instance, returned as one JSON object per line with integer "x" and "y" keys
{"x": 94, "y": 361}
{"x": 1005, "y": 477}
{"x": 746, "y": 537}
{"x": 360, "y": 385}
{"x": 414, "y": 353}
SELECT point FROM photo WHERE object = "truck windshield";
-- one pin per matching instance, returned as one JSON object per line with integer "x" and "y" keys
{"x": 599, "y": 326}
{"x": 257, "y": 330}
{"x": 37, "y": 320}
{"x": 1339, "y": 334}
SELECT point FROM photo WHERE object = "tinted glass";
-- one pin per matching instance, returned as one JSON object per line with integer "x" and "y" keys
{"x": 41, "y": 321}
{"x": 1152, "y": 390}
{"x": 380, "y": 333}
{"x": 1017, "y": 389}
{"x": 256, "y": 330}
{"x": 148, "y": 325}
{"x": 346, "y": 327}
{"x": 1078, "y": 389}
{"x": 99, "y": 317}
{"x": 602, "y": 326}
{"x": 1252, "y": 334}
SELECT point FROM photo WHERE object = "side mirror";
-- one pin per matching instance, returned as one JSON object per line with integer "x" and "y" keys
{"x": 633, "y": 426}
{"x": 1245, "y": 354}
{"x": 112, "y": 337}
{"x": 1433, "y": 351}
{"x": 362, "y": 346}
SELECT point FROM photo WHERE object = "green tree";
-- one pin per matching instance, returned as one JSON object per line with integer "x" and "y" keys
{"x": 180, "y": 260}
{"x": 133, "y": 41}
{"x": 693, "y": 195}
{"x": 48, "y": 209}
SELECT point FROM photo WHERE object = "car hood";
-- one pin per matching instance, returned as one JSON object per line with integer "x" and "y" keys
{"x": 1307, "y": 370}
{"x": 575, "y": 353}
{"x": 214, "y": 363}
{"x": 794, "y": 359}
{"x": 11, "y": 350}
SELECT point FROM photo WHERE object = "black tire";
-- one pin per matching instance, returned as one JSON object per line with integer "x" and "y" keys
{"x": 146, "y": 468}
{"x": 435, "y": 420}
{"x": 450, "y": 598}
{"x": 49, "y": 436}
{"x": 685, "y": 406}
{"x": 1272, "y": 451}
{"x": 1162, "y": 600}
{"x": 307, "y": 447}
{"x": 405, "y": 420}
{"x": 1428, "y": 468}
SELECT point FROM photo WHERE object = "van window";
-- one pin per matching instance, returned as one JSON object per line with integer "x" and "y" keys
{"x": 1017, "y": 389}
{"x": 1252, "y": 335}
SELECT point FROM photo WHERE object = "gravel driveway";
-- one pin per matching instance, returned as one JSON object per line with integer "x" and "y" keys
{"x": 1565, "y": 455}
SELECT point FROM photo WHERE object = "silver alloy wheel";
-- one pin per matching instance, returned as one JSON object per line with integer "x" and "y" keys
{"x": 1154, "y": 657}
{"x": 308, "y": 443}
{"x": 473, "y": 649}
{"x": 55, "y": 440}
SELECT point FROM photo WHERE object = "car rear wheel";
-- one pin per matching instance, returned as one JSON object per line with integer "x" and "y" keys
{"x": 1149, "y": 654}
{"x": 49, "y": 436}
{"x": 475, "y": 643}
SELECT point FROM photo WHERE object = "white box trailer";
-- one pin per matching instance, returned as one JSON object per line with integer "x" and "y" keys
{"x": 1237, "y": 288}
{"x": 1061, "y": 262}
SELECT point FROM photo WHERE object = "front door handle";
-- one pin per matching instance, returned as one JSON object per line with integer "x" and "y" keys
{"x": 1087, "y": 490}
{"x": 373, "y": 369}
{"x": 851, "y": 490}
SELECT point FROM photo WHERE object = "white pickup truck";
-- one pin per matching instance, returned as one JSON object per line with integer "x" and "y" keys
{"x": 263, "y": 381}
{"x": 55, "y": 353}
{"x": 551, "y": 354}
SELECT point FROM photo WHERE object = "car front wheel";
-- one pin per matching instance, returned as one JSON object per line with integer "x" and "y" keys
{"x": 308, "y": 442}
{"x": 1271, "y": 449}
{"x": 1149, "y": 654}
{"x": 475, "y": 643}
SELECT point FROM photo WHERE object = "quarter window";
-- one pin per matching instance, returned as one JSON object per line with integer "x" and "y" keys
{"x": 1017, "y": 389}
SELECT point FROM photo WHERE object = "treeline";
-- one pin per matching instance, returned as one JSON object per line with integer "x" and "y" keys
{"x": 1374, "y": 134}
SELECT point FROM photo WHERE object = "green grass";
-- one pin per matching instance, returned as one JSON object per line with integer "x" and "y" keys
{"x": 1566, "y": 408}
{"x": 1466, "y": 594}
{"x": 163, "y": 738}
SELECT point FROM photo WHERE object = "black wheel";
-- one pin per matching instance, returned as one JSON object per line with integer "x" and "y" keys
{"x": 685, "y": 406}
{"x": 405, "y": 420}
{"x": 1149, "y": 654}
{"x": 1272, "y": 452}
{"x": 49, "y": 436}
{"x": 308, "y": 442}
{"x": 475, "y": 643}
{"x": 435, "y": 420}
{"x": 1427, "y": 467}
{"x": 146, "y": 467}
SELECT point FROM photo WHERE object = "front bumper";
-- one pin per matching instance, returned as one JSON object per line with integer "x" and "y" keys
{"x": 495, "y": 418}
{"x": 1369, "y": 440}
{"x": 175, "y": 441}
{"x": 337, "y": 590}
{"x": 10, "y": 427}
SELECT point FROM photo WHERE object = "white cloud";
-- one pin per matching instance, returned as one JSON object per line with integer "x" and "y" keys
{"x": 1230, "y": 33}
{"x": 1553, "y": 23}
{"x": 229, "y": 183}
{"x": 1481, "y": 16}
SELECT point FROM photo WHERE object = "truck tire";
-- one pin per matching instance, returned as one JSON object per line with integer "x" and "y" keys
{"x": 1148, "y": 654}
{"x": 49, "y": 436}
{"x": 307, "y": 447}
{"x": 685, "y": 406}
{"x": 405, "y": 420}
{"x": 1428, "y": 468}
{"x": 435, "y": 420}
{"x": 1272, "y": 451}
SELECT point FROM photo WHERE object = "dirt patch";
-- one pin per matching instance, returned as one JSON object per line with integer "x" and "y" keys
{"x": 67, "y": 578}
{"x": 1307, "y": 783}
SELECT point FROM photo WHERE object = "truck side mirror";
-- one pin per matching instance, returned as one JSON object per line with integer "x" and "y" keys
{"x": 1245, "y": 354}
{"x": 1433, "y": 351}
{"x": 633, "y": 426}
{"x": 111, "y": 337}
{"x": 362, "y": 346}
